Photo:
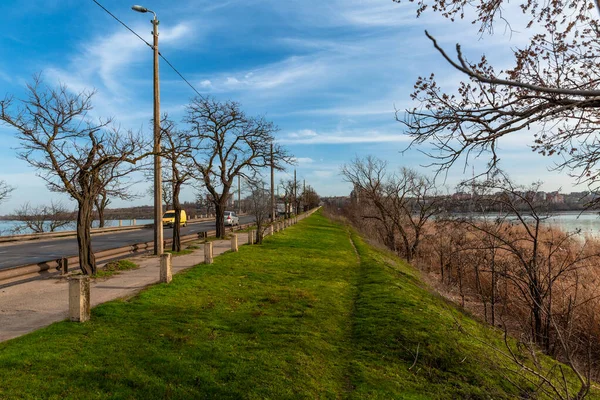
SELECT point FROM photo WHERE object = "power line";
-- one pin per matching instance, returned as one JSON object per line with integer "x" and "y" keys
{"x": 149, "y": 45}
{"x": 178, "y": 73}
{"x": 122, "y": 23}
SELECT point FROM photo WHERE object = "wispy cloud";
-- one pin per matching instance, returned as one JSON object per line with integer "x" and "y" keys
{"x": 303, "y": 160}
{"x": 284, "y": 75}
{"x": 346, "y": 137}
{"x": 304, "y": 133}
{"x": 111, "y": 64}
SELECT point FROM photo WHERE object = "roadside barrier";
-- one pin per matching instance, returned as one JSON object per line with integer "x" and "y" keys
{"x": 95, "y": 231}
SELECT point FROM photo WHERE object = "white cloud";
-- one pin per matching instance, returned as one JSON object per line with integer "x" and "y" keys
{"x": 304, "y": 160}
{"x": 375, "y": 13}
{"x": 347, "y": 137}
{"x": 303, "y": 133}
{"x": 295, "y": 71}
{"x": 111, "y": 64}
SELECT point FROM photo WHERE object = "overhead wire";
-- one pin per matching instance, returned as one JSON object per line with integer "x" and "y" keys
{"x": 149, "y": 45}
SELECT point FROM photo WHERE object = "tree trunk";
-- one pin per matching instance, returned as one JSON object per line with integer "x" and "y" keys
{"x": 101, "y": 217}
{"x": 176, "y": 246}
{"x": 87, "y": 261}
{"x": 101, "y": 202}
{"x": 220, "y": 220}
{"x": 259, "y": 233}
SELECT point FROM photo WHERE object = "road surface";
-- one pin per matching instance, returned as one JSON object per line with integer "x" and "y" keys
{"x": 34, "y": 251}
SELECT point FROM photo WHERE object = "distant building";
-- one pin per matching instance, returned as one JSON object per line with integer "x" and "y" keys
{"x": 555, "y": 198}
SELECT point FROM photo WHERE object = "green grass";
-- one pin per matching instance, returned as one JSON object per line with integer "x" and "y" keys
{"x": 114, "y": 267}
{"x": 301, "y": 316}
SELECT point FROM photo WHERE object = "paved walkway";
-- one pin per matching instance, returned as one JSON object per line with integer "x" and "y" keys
{"x": 32, "y": 305}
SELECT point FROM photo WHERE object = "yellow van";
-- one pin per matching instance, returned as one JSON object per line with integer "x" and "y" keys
{"x": 168, "y": 218}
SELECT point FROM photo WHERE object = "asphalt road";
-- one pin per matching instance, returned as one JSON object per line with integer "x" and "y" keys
{"x": 35, "y": 251}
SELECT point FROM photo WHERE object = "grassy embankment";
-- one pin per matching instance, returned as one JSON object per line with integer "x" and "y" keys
{"x": 302, "y": 316}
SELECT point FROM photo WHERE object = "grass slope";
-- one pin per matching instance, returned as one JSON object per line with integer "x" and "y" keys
{"x": 302, "y": 316}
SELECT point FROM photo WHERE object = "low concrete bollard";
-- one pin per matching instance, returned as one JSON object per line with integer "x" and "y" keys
{"x": 250, "y": 236}
{"x": 63, "y": 265}
{"x": 166, "y": 272}
{"x": 120, "y": 222}
{"x": 79, "y": 298}
{"x": 234, "y": 243}
{"x": 134, "y": 222}
{"x": 271, "y": 230}
{"x": 208, "y": 253}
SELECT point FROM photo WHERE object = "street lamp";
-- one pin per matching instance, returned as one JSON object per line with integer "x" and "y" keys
{"x": 158, "y": 228}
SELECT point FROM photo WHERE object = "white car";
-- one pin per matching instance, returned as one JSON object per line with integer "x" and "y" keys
{"x": 231, "y": 218}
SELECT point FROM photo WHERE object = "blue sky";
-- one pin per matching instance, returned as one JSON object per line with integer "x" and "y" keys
{"x": 329, "y": 73}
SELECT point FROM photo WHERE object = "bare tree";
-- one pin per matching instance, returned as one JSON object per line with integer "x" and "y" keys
{"x": 5, "y": 191}
{"x": 260, "y": 207}
{"x": 229, "y": 144}
{"x": 291, "y": 195}
{"x": 204, "y": 201}
{"x": 47, "y": 218}
{"x": 111, "y": 188}
{"x": 177, "y": 150}
{"x": 311, "y": 198}
{"x": 402, "y": 202}
{"x": 69, "y": 151}
{"x": 369, "y": 176}
{"x": 552, "y": 89}
{"x": 167, "y": 187}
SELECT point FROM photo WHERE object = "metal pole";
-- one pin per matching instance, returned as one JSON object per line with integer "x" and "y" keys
{"x": 295, "y": 194}
{"x": 239, "y": 195}
{"x": 272, "y": 186}
{"x": 158, "y": 228}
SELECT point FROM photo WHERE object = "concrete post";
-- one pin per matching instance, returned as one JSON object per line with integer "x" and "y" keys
{"x": 166, "y": 272}
{"x": 120, "y": 222}
{"x": 271, "y": 230}
{"x": 208, "y": 253}
{"x": 234, "y": 243}
{"x": 63, "y": 265}
{"x": 250, "y": 236}
{"x": 79, "y": 298}
{"x": 134, "y": 222}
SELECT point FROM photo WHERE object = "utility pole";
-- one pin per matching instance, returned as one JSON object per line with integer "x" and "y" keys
{"x": 158, "y": 228}
{"x": 239, "y": 195}
{"x": 304, "y": 195}
{"x": 272, "y": 186}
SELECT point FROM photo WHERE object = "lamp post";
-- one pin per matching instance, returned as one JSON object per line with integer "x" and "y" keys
{"x": 158, "y": 228}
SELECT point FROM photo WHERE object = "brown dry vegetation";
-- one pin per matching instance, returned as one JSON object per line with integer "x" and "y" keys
{"x": 547, "y": 297}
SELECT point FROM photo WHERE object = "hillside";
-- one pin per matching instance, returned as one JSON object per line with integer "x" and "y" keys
{"x": 314, "y": 312}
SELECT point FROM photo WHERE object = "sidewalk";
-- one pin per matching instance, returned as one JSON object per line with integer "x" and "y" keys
{"x": 36, "y": 304}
